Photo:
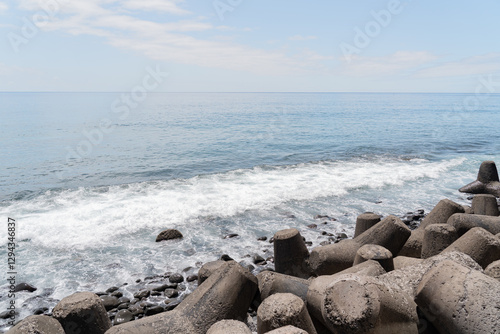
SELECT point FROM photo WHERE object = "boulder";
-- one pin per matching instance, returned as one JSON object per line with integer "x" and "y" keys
{"x": 169, "y": 234}
{"x": 37, "y": 324}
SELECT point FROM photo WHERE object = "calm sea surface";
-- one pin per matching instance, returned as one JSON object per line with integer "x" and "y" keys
{"x": 91, "y": 182}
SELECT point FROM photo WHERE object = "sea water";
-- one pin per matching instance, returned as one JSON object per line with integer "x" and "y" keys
{"x": 90, "y": 185}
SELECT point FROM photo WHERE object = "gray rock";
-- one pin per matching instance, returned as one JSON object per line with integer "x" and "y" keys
{"x": 109, "y": 302}
{"x": 24, "y": 287}
{"x": 176, "y": 278}
{"x": 37, "y": 324}
{"x": 122, "y": 317}
{"x": 169, "y": 234}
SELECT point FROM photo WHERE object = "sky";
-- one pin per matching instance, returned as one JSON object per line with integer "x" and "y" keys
{"x": 250, "y": 45}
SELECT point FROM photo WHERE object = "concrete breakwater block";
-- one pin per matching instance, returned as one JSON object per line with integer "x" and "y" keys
{"x": 482, "y": 246}
{"x": 439, "y": 215}
{"x": 463, "y": 222}
{"x": 225, "y": 294}
{"x": 436, "y": 238}
{"x": 229, "y": 326}
{"x": 459, "y": 300}
{"x": 365, "y": 221}
{"x": 493, "y": 270}
{"x": 288, "y": 330}
{"x": 350, "y": 303}
{"x": 484, "y": 204}
{"x": 83, "y": 311}
{"x": 408, "y": 278}
{"x": 283, "y": 309}
{"x": 486, "y": 182}
{"x": 376, "y": 253}
{"x": 271, "y": 283}
{"x": 390, "y": 233}
{"x": 37, "y": 324}
{"x": 291, "y": 254}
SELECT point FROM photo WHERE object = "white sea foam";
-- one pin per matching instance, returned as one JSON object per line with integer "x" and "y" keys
{"x": 94, "y": 217}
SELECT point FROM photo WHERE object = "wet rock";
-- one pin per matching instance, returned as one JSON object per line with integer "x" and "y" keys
{"x": 40, "y": 310}
{"x": 142, "y": 294}
{"x": 163, "y": 287}
{"x": 24, "y": 287}
{"x": 122, "y": 317}
{"x": 117, "y": 294}
{"x": 176, "y": 278}
{"x": 262, "y": 238}
{"x": 172, "y": 305}
{"x": 312, "y": 226}
{"x": 123, "y": 300}
{"x": 123, "y": 306}
{"x": 325, "y": 217}
{"x": 192, "y": 278}
{"x": 171, "y": 293}
{"x": 225, "y": 257}
{"x": 109, "y": 302}
{"x": 154, "y": 310}
{"x": 258, "y": 260}
{"x": 169, "y": 234}
{"x": 112, "y": 289}
{"x": 231, "y": 235}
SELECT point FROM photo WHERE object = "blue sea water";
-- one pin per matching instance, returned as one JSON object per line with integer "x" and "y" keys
{"x": 91, "y": 184}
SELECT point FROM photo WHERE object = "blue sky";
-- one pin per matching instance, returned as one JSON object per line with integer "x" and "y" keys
{"x": 250, "y": 45}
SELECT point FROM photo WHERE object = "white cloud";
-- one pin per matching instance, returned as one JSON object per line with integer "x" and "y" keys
{"x": 302, "y": 38}
{"x": 401, "y": 62}
{"x": 3, "y": 7}
{"x": 171, "y": 41}
{"x": 477, "y": 65}
{"x": 168, "y": 6}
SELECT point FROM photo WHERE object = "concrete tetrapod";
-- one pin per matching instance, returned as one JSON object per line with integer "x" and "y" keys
{"x": 484, "y": 204}
{"x": 283, "y": 309}
{"x": 365, "y": 221}
{"x": 377, "y": 253}
{"x": 390, "y": 233}
{"x": 436, "y": 238}
{"x": 486, "y": 182}
{"x": 229, "y": 326}
{"x": 291, "y": 254}
{"x": 493, "y": 270}
{"x": 271, "y": 283}
{"x": 439, "y": 215}
{"x": 479, "y": 244}
{"x": 226, "y": 294}
{"x": 460, "y": 300}
{"x": 288, "y": 330}
{"x": 462, "y": 222}
{"x": 354, "y": 304}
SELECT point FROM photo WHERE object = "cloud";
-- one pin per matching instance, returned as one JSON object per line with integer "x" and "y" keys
{"x": 156, "y": 6}
{"x": 302, "y": 38}
{"x": 399, "y": 63}
{"x": 3, "y": 7}
{"x": 476, "y": 65}
{"x": 175, "y": 40}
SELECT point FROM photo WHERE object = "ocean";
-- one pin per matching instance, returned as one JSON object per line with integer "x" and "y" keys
{"x": 90, "y": 184}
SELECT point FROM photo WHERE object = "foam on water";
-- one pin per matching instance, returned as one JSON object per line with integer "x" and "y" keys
{"x": 95, "y": 217}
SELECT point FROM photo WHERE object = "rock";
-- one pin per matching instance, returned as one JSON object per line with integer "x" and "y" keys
{"x": 112, "y": 289}
{"x": 225, "y": 257}
{"x": 37, "y": 324}
{"x": 229, "y": 326}
{"x": 487, "y": 181}
{"x": 259, "y": 260}
{"x": 163, "y": 287}
{"x": 192, "y": 278}
{"x": 262, "y": 238}
{"x": 153, "y": 310}
{"x": 84, "y": 311}
{"x": 117, "y": 294}
{"x": 142, "y": 294}
{"x": 122, "y": 317}
{"x": 312, "y": 226}
{"x": 283, "y": 309}
{"x": 24, "y": 287}
{"x": 109, "y": 302}
{"x": 176, "y": 278}
{"x": 123, "y": 300}
{"x": 171, "y": 293}
{"x": 460, "y": 300}
{"x": 169, "y": 234}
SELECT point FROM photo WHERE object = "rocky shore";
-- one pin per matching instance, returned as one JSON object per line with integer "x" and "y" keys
{"x": 434, "y": 273}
